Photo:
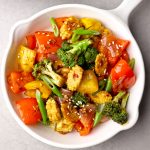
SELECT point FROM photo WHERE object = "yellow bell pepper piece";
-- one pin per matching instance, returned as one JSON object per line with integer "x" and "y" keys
{"x": 30, "y": 93}
{"x": 92, "y": 24}
{"x": 33, "y": 85}
{"x": 26, "y": 58}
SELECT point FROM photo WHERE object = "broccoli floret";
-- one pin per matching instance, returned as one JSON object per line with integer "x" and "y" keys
{"x": 81, "y": 60}
{"x": 90, "y": 55}
{"x": 66, "y": 46}
{"x": 45, "y": 68}
{"x": 70, "y": 57}
{"x": 111, "y": 108}
{"x": 115, "y": 112}
{"x": 79, "y": 100}
{"x": 121, "y": 117}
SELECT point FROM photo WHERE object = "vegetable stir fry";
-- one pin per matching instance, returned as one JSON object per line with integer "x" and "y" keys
{"x": 76, "y": 75}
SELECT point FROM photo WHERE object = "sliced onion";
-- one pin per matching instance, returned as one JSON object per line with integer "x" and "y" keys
{"x": 66, "y": 92}
{"x": 52, "y": 57}
{"x": 58, "y": 100}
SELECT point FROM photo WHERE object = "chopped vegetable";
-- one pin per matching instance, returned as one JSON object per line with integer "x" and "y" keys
{"x": 51, "y": 85}
{"x": 114, "y": 110}
{"x": 119, "y": 96}
{"x": 28, "y": 110}
{"x": 122, "y": 76}
{"x": 112, "y": 47}
{"x": 33, "y": 85}
{"x": 47, "y": 42}
{"x": 45, "y": 68}
{"x": 69, "y": 112}
{"x": 59, "y": 21}
{"x": 70, "y": 57}
{"x": 87, "y": 114}
{"x": 98, "y": 115}
{"x": 54, "y": 27}
{"x": 31, "y": 41}
{"x": 26, "y": 58}
{"x": 92, "y": 24}
{"x": 121, "y": 117}
{"x": 75, "y": 37}
{"x": 132, "y": 63}
{"x": 90, "y": 55}
{"x": 82, "y": 31}
{"x": 41, "y": 107}
{"x": 17, "y": 80}
{"x": 89, "y": 82}
{"x": 108, "y": 85}
{"x": 124, "y": 100}
{"x": 79, "y": 100}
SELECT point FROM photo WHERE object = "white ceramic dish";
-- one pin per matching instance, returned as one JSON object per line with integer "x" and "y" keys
{"x": 114, "y": 19}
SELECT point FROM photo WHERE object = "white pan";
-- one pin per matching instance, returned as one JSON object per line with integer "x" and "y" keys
{"x": 117, "y": 21}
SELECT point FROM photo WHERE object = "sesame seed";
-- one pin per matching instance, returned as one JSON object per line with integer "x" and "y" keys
{"x": 117, "y": 46}
{"x": 120, "y": 46}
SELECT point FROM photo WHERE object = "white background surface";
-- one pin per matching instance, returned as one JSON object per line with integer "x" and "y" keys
{"x": 138, "y": 138}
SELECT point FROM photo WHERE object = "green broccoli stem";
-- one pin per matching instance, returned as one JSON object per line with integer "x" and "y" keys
{"x": 49, "y": 82}
{"x": 125, "y": 100}
{"x": 41, "y": 107}
{"x": 108, "y": 85}
{"x": 80, "y": 47}
{"x": 119, "y": 96}
{"x": 82, "y": 31}
{"x": 54, "y": 27}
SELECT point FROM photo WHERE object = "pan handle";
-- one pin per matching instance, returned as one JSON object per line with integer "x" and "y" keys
{"x": 125, "y": 8}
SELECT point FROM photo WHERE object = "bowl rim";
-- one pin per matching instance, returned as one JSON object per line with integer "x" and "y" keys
{"x": 5, "y": 93}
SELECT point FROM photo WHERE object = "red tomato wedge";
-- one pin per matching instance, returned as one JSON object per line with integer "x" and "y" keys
{"x": 85, "y": 124}
{"x": 47, "y": 42}
{"x": 28, "y": 110}
{"x": 113, "y": 47}
{"x": 31, "y": 41}
{"x": 81, "y": 129}
{"x": 122, "y": 76}
{"x": 17, "y": 80}
{"x": 125, "y": 56}
{"x": 59, "y": 21}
